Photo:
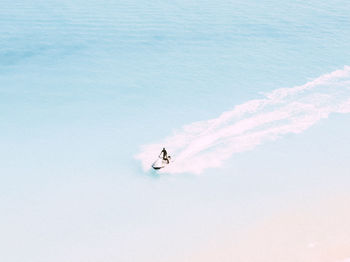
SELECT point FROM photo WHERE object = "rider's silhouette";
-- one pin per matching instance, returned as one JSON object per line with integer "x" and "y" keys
{"x": 165, "y": 155}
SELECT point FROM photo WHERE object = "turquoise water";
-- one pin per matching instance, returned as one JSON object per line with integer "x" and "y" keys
{"x": 84, "y": 84}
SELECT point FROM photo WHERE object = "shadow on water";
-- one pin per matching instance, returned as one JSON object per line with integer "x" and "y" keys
{"x": 153, "y": 174}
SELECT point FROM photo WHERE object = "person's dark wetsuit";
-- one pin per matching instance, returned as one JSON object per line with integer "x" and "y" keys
{"x": 165, "y": 155}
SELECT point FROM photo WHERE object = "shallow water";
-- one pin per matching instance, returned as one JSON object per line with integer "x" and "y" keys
{"x": 83, "y": 84}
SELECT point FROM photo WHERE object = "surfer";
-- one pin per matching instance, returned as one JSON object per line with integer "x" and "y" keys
{"x": 162, "y": 161}
{"x": 165, "y": 155}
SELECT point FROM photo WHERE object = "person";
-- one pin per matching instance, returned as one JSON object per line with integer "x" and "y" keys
{"x": 165, "y": 155}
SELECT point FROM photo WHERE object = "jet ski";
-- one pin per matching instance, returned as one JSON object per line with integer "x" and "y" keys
{"x": 161, "y": 163}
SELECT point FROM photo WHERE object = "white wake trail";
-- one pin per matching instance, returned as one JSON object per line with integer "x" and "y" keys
{"x": 207, "y": 144}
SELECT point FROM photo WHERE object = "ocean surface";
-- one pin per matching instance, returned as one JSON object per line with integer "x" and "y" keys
{"x": 85, "y": 84}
